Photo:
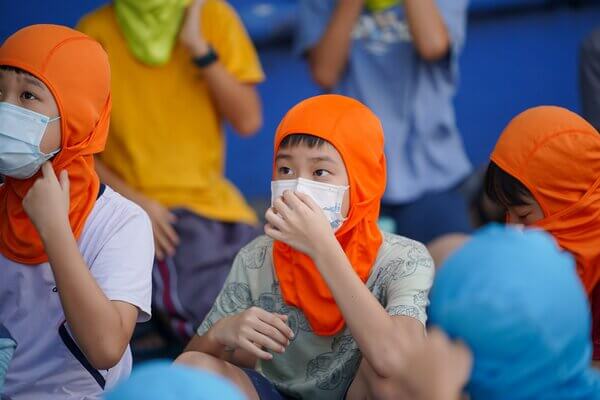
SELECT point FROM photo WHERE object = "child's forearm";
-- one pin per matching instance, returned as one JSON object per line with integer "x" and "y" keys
{"x": 113, "y": 180}
{"x": 94, "y": 320}
{"x": 209, "y": 345}
{"x": 237, "y": 101}
{"x": 329, "y": 57}
{"x": 428, "y": 29}
{"x": 379, "y": 336}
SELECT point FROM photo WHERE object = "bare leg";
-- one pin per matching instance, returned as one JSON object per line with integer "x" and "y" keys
{"x": 212, "y": 364}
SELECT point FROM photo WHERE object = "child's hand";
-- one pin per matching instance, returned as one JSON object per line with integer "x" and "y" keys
{"x": 47, "y": 202}
{"x": 295, "y": 219}
{"x": 190, "y": 35}
{"x": 253, "y": 330}
{"x": 437, "y": 368}
{"x": 165, "y": 237}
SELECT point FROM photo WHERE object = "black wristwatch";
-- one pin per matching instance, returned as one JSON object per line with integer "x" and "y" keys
{"x": 208, "y": 59}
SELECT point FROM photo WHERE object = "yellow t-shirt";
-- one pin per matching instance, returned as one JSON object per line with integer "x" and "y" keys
{"x": 166, "y": 137}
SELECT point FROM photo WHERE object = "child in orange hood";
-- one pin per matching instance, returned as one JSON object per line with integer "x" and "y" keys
{"x": 545, "y": 171}
{"x": 75, "y": 257}
{"x": 326, "y": 302}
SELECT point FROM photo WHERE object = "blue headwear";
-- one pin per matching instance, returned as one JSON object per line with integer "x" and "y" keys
{"x": 165, "y": 381}
{"x": 515, "y": 299}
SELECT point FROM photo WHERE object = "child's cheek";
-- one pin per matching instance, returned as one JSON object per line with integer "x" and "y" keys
{"x": 346, "y": 204}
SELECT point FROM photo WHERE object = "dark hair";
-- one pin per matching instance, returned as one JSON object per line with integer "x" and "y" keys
{"x": 13, "y": 69}
{"x": 305, "y": 139}
{"x": 504, "y": 189}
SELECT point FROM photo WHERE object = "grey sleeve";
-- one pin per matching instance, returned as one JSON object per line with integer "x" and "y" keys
{"x": 234, "y": 298}
{"x": 408, "y": 286}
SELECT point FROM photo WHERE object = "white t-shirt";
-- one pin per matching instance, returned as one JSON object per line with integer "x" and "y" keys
{"x": 117, "y": 245}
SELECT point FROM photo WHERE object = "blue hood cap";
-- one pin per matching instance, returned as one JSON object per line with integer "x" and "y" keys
{"x": 515, "y": 299}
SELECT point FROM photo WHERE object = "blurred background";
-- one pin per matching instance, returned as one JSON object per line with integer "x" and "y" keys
{"x": 519, "y": 53}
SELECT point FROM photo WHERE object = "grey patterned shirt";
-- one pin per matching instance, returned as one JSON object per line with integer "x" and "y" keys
{"x": 318, "y": 367}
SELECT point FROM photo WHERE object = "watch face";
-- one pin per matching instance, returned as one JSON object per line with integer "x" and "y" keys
{"x": 207, "y": 59}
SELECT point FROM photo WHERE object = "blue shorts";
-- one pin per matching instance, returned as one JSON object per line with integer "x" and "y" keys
{"x": 265, "y": 389}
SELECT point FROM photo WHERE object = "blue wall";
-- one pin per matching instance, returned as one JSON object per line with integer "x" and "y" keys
{"x": 511, "y": 61}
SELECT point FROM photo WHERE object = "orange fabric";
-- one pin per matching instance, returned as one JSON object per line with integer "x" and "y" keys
{"x": 357, "y": 135}
{"x": 556, "y": 154}
{"x": 75, "y": 69}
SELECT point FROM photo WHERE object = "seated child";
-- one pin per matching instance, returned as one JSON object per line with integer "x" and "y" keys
{"x": 515, "y": 299}
{"x": 75, "y": 257}
{"x": 161, "y": 380}
{"x": 545, "y": 171}
{"x": 325, "y": 302}
{"x": 7, "y": 349}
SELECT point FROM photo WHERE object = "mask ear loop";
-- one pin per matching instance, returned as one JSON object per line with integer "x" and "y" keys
{"x": 53, "y": 153}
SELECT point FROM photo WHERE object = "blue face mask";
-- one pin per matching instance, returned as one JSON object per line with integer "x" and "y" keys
{"x": 21, "y": 131}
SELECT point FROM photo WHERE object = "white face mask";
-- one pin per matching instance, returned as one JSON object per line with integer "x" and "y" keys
{"x": 329, "y": 197}
{"x": 21, "y": 131}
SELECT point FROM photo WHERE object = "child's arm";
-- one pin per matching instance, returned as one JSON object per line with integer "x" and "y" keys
{"x": 243, "y": 338}
{"x": 234, "y": 330}
{"x": 101, "y": 327}
{"x": 238, "y": 102}
{"x": 429, "y": 33}
{"x": 381, "y": 338}
{"x": 328, "y": 58}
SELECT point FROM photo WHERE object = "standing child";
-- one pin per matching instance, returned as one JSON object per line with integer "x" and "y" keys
{"x": 326, "y": 302}
{"x": 400, "y": 58}
{"x": 75, "y": 257}
{"x": 545, "y": 171}
{"x": 180, "y": 70}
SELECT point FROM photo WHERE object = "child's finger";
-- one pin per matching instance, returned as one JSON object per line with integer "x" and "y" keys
{"x": 274, "y": 233}
{"x": 283, "y": 317}
{"x": 274, "y": 219}
{"x": 65, "y": 184}
{"x": 292, "y": 200}
{"x": 47, "y": 170}
{"x": 271, "y": 332}
{"x": 265, "y": 342}
{"x": 169, "y": 232}
{"x": 255, "y": 350}
{"x": 281, "y": 207}
{"x": 163, "y": 243}
{"x": 308, "y": 201}
{"x": 276, "y": 322}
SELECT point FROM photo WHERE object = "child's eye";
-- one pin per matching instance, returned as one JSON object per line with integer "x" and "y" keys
{"x": 28, "y": 96}
{"x": 285, "y": 170}
{"x": 321, "y": 173}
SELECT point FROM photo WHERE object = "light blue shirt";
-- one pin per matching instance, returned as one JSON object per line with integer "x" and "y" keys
{"x": 7, "y": 349}
{"x": 412, "y": 97}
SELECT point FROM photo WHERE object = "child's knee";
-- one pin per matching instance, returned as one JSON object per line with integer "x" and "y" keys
{"x": 203, "y": 361}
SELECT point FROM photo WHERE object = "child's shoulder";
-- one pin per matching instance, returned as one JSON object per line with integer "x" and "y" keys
{"x": 396, "y": 247}
{"x": 113, "y": 209}
{"x": 257, "y": 253}
{"x": 396, "y": 242}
